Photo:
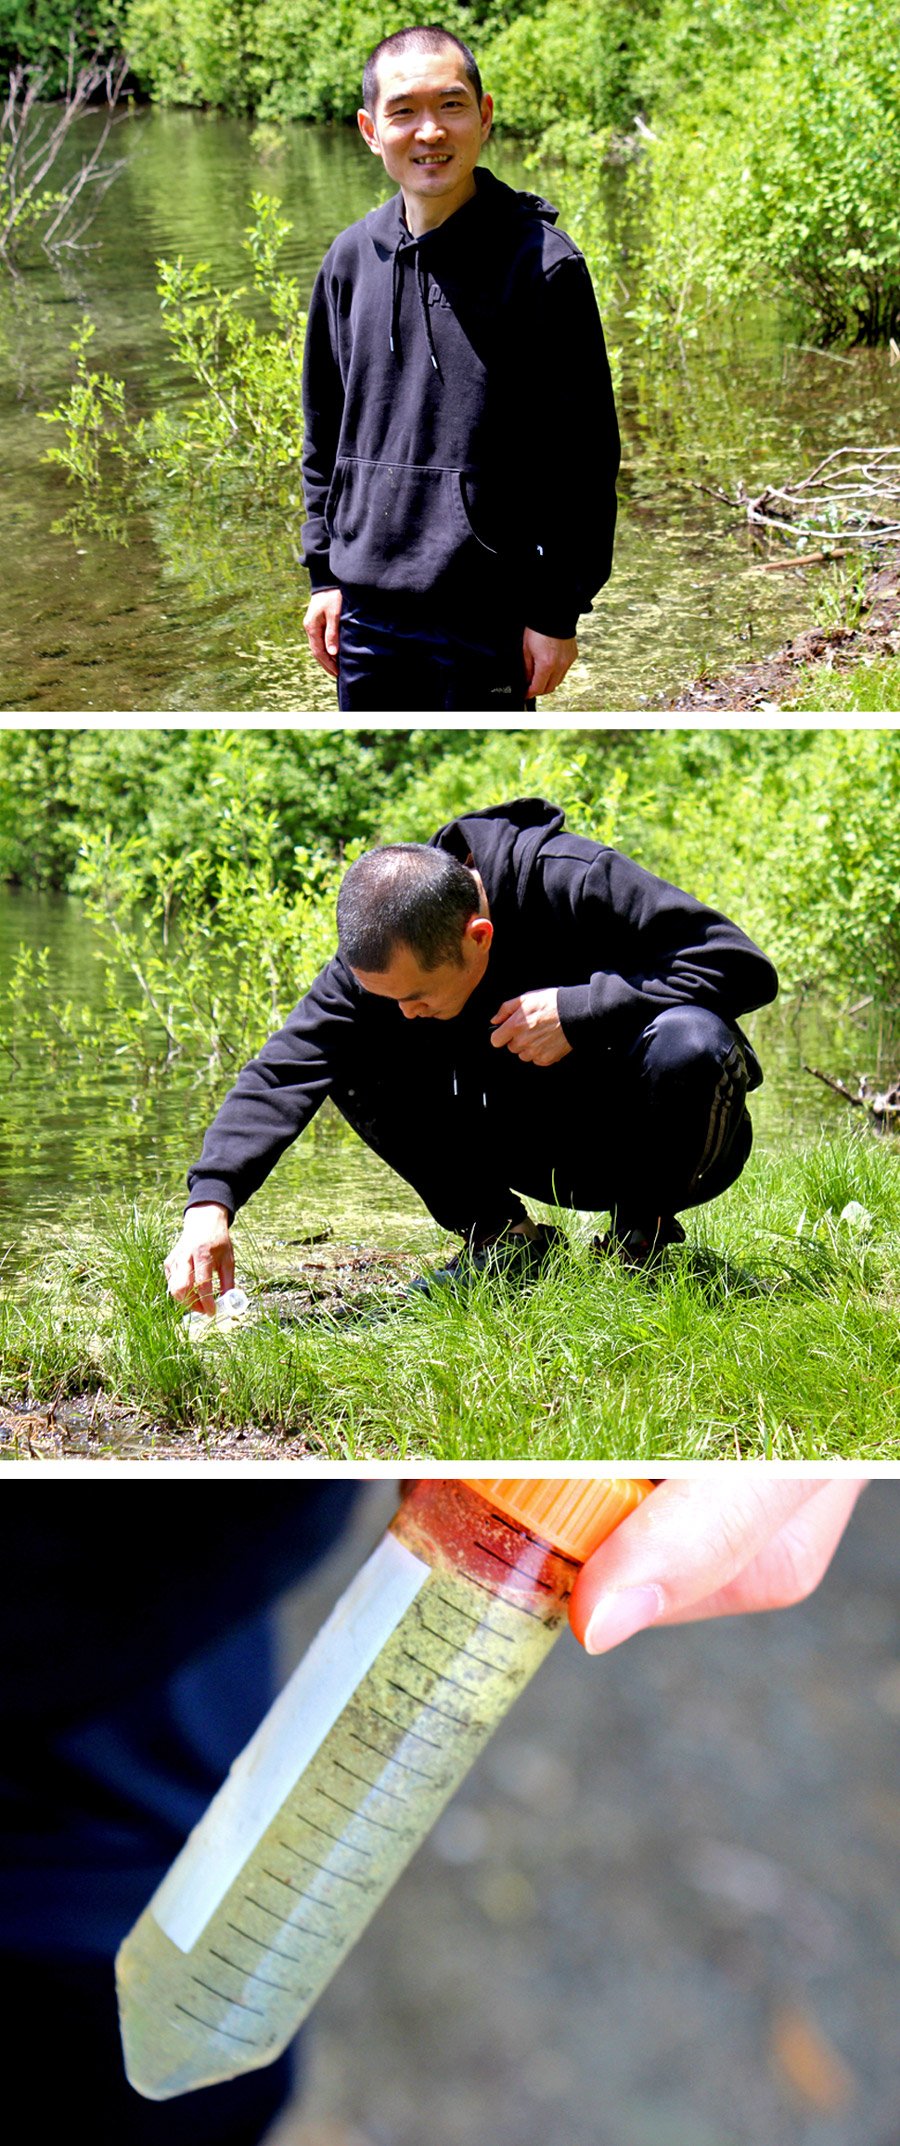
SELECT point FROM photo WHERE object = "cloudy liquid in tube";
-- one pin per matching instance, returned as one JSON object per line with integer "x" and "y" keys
{"x": 422, "y": 1657}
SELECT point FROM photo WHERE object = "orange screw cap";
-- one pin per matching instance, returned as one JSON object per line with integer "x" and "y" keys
{"x": 573, "y": 1514}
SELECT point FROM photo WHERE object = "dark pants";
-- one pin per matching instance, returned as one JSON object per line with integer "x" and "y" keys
{"x": 646, "y": 1133}
{"x": 388, "y": 665}
{"x": 61, "y": 2029}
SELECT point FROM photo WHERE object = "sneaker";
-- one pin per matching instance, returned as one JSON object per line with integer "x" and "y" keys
{"x": 517, "y": 1258}
{"x": 642, "y": 1246}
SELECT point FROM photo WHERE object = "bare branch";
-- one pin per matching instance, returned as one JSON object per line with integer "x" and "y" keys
{"x": 850, "y": 498}
{"x": 31, "y": 140}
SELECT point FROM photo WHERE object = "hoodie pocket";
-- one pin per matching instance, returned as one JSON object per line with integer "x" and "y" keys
{"x": 398, "y": 525}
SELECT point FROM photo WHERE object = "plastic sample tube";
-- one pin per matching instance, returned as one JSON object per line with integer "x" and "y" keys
{"x": 231, "y": 1306}
{"x": 422, "y": 1656}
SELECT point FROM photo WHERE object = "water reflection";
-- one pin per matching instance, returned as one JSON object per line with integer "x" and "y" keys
{"x": 207, "y": 616}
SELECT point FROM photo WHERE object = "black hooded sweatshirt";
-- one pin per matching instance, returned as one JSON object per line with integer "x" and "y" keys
{"x": 461, "y": 443}
{"x": 618, "y": 944}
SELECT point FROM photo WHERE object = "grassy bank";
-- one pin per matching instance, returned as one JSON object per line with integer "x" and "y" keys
{"x": 845, "y": 663}
{"x": 773, "y": 1333}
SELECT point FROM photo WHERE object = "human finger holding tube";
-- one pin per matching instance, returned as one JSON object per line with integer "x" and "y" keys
{"x": 717, "y": 1545}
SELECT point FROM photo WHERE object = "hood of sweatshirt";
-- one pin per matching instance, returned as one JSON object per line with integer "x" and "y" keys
{"x": 502, "y": 842}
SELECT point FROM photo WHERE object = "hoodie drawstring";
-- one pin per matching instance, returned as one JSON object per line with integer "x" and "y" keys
{"x": 410, "y": 246}
{"x": 422, "y": 286}
{"x": 453, "y": 1076}
{"x": 395, "y": 304}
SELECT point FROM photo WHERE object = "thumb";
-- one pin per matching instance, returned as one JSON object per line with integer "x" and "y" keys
{"x": 682, "y": 1553}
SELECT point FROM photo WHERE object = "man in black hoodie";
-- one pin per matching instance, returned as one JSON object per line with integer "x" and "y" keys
{"x": 512, "y": 1009}
{"x": 461, "y": 444}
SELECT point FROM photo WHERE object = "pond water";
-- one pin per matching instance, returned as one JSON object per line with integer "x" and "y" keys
{"x": 82, "y": 1140}
{"x": 208, "y": 616}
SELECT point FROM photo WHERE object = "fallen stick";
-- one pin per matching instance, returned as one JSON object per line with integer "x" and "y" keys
{"x": 805, "y": 558}
{"x": 837, "y": 1085}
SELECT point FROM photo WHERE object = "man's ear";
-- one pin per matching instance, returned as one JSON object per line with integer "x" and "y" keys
{"x": 481, "y": 931}
{"x": 366, "y": 125}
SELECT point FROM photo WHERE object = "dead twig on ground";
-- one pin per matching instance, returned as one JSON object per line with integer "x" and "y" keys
{"x": 851, "y": 497}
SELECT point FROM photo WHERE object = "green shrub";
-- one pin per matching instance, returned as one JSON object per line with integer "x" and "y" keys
{"x": 542, "y": 91}
{"x": 202, "y": 958}
{"x": 191, "y": 51}
{"x": 778, "y": 175}
{"x": 243, "y": 426}
{"x": 39, "y": 32}
{"x": 285, "y": 59}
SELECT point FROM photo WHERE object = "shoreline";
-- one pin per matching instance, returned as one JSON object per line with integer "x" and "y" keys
{"x": 772, "y": 681}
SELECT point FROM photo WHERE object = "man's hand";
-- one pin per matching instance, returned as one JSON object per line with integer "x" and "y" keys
{"x": 710, "y": 1546}
{"x": 203, "y": 1250}
{"x": 546, "y": 662}
{"x": 529, "y": 1027}
{"x": 322, "y": 625}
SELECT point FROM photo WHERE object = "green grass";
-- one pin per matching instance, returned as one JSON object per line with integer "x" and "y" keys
{"x": 868, "y": 688}
{"x": 774, "y": 1333}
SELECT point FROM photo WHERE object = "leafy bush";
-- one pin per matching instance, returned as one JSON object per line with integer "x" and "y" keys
{"x": 816, "y": 205}
{"x": 541, "y": 94}
{"x": 40, "y": 32}
{"x": 290, "y": 59}
{"x": 838, "y": 865}
{"x": 191, "y": 51}
{"x": 285, "y": 59}
{"x": 780, "y": 174}
{"x": 319, "y": 789}
{"x": 247, "y": 422}
{"x": 244, "y": 428}
{"x": 202, "y": 958}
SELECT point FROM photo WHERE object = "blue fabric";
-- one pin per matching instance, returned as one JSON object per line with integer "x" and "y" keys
{"x": 387, "y": 664}
{"x": 108, "y": 1763}
{"x": 95, "y": 1814}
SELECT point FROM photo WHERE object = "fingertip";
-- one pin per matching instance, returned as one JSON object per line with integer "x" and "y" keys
{"x": 616, "y": 1615}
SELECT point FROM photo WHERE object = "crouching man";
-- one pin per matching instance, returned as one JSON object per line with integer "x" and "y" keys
{"x": 510, "y": 1005}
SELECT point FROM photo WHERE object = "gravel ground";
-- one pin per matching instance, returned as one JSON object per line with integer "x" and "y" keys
{"x": 662, "y": 1911}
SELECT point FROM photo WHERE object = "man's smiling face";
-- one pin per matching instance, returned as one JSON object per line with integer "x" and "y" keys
{"x": 428, "y": 129}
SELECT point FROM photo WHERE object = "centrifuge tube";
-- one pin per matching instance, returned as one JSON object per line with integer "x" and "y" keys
{"x": 423, "y": 1654}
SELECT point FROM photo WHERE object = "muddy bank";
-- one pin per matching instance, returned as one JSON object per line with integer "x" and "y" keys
{"x": 93, "y": 1426}
{"x": 778, "y": 678}
{"x": 333, "y": 1283}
